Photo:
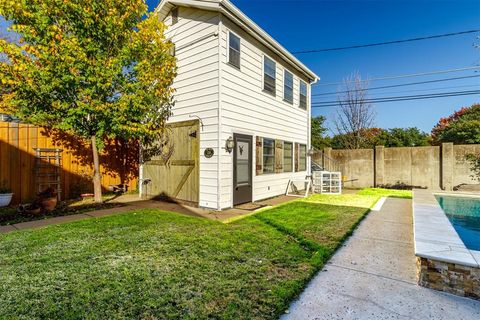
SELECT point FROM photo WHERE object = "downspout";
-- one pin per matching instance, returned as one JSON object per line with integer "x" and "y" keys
{"x": 219, "y": 113}
{"x": 309, "y": 133}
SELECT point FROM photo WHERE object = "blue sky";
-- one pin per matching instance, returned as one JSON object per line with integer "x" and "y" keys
{"x": 310, "y": 24}
{"x": 313, "y": 24}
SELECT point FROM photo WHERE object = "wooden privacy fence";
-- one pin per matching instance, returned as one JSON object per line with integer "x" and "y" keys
{"x": 17, "y": 161}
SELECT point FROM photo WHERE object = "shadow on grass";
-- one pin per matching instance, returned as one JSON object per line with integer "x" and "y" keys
{"x": 320, "y": 229}
{"x": 251, "y": 268}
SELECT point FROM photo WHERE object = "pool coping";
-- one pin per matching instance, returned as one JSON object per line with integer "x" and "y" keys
{"x": 434, "y": 235}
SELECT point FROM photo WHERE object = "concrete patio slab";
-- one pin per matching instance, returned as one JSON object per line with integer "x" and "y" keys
{"x": 374, "y": 277}
{"x": 401, "y": 232}
{"x": 382, "y": 257}
{"x": 6, "y": 229}
{"x": 340, "y": 293}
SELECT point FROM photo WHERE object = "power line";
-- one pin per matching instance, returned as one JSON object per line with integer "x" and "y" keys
{"x": 401, "y": 98}
{"x": 388, "y": 42}
{"x": 402, "y": 76}
{"x": 474, "y": 86}
{"x": 400, "y": 85}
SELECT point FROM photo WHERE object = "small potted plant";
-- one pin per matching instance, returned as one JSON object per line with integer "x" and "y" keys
{"x": 48, "y": 199}
{"x": 5, "y": 195}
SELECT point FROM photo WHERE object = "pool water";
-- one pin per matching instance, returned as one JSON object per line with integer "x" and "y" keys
{"x": 464, "y": 214}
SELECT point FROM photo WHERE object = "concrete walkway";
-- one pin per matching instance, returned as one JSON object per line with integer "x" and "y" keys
{"x": 374, "y": 277}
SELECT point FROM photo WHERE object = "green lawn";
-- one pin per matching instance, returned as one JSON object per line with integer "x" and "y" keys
{"x": 406, "y": 194}
{"x": 152, "y": 264}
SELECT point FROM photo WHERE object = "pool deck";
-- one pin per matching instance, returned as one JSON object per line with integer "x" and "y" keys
{"x": 373, "y": 276}
{"x": 435, "y": 237}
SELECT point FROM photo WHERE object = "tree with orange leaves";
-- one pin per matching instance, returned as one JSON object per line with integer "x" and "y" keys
{"x": 97, "y": 69}
{"x": 462, "y": 127}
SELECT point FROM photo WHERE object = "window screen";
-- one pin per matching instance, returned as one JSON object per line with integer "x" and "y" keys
{"x": 269, "y": 70}
{"x": 303, "y": 95}
{"x": 234, "y": 50}
{"x": 268, "y": 155}
{"x": 287, "y": 156}
{"x": 288, "y": 87}
{"x": 302, "y": 161}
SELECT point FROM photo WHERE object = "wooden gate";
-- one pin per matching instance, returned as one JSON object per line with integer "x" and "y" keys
{"x": 175, "y": 174}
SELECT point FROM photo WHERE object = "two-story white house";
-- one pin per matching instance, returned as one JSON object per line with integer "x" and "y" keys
{"x": 251, "y": 98}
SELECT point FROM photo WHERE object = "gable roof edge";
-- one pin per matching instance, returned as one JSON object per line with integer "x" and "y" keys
{"x": 237, "y": 16}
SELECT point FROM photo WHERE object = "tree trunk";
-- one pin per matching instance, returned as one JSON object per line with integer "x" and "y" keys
{"x": 97, "y": 177}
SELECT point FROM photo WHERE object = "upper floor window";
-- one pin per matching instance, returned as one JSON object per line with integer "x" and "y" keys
{"x": 269, "y": 75}
{"x": 174, "y": 16}
{"x": 303, "y": 95}
{"x": 233, "y": 50}
{"x": 288, "y": 87}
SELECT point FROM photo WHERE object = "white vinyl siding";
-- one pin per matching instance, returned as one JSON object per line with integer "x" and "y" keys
{"x": 208, "y": 86}
{"x": 196, "y": 87}
{"x": 288, "y": 86}
{"x": 247, "y": 109}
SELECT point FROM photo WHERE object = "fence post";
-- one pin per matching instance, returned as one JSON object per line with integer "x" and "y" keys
{"x": 379, "y": 167}
{"x": 327, "y": 152}
{"x": 447, "y": 161}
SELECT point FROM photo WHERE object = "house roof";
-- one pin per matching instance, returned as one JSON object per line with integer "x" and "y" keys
{"x": 237, "y": 16}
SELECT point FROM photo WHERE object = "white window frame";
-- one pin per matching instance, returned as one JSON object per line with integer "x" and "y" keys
{"x": 274, "y": 94}
{"x": 285, "y": 71}
{"x": 239, "y": 52}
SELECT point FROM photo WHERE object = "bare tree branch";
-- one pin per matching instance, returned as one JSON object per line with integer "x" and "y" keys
{"x": 354, "y": 115}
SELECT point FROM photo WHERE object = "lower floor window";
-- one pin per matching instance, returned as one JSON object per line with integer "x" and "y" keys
{"x": 302, "y": 158}
{"x": 287, "y": 157}
{"x": 268, "y": 155}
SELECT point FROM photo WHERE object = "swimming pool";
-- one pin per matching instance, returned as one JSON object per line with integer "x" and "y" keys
{"x": 464, "y": 214}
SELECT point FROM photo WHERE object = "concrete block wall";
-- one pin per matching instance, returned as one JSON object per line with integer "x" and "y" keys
{"x": 461, "y": 168}
{"x": 433, "y": 167}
